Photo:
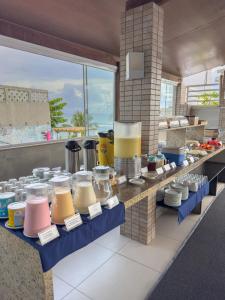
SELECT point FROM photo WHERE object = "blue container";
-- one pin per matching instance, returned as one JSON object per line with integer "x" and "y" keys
{"x": 177, "y": 158}
{"x": 5, "y": 200}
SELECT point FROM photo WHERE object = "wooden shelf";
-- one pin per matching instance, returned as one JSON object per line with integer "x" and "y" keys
{"x": 181, "y": 127}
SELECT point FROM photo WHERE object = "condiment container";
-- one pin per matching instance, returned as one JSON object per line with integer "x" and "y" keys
{"x": 62, "y": 204}
{"x": 83, "y": 191}
{"x": 5, "y": 199}
{"x": 37, "y": 213}
{"x": 16, "y": 213}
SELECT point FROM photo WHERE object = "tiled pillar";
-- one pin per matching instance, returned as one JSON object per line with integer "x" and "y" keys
{"x": 140, "y": 221}
{"x": 142, "y": 31}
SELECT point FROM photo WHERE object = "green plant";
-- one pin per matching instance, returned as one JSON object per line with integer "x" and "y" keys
{"x": 209, "y": 99}
{"x": 56, "y": 107}
{"x": 78, "y": 120}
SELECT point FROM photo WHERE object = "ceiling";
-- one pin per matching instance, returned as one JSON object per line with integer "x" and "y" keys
{"x": 193, "y": 29}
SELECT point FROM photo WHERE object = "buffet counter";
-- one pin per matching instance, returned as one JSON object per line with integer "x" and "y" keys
{"x": 131, "y": 195}
{"x": 140, "y": 201}
{"x": 26, "y": 266}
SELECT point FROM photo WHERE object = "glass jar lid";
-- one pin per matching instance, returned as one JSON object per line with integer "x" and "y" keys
{"x": 83, "y": 175}
{"x": 101, "y": 170}
{"x": 37, "y": 188}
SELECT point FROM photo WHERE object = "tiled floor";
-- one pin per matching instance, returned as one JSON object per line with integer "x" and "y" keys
{"x": 114, "y": 267}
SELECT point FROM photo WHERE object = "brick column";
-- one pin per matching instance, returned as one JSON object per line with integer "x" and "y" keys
{"x": 142, "y": 31}
{"x": 140, "y": 221}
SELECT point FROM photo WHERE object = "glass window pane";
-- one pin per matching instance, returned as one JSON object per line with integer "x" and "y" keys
{"x": 168, "y": 94}
{"x": 101, "y": 102}
{"x": 60, "y": 79}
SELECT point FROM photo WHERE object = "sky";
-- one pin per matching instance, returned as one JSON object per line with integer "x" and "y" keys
{"x": 61, "y": 79}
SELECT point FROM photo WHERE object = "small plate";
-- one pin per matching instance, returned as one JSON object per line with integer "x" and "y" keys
{"x": 138, "y": 181}
{"x": 10, "y": 227}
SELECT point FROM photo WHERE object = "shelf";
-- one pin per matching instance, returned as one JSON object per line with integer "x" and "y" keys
{"x": 181, "y": 127}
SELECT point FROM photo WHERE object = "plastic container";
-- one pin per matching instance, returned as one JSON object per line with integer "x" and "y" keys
{"x": 83, "y": 191}
{"x": 16, "y": 213}
{"x": 127, "y": 140}
{"x": 102, "y": 186}
{"x": 155, "y": 161}
{"x": 5, "y": 199}
{"x": 37, "y": 213}
{"x": 62, "y": 204}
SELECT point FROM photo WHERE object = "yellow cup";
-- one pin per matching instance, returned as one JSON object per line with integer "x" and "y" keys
{"x": 16, "y": 212}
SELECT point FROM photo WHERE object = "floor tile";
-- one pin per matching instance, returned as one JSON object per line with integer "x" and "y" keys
{"x": 168, "y": 226}
{"x": 156, "y": 255}
{"x": 120, "y": 278}
{"x": 76, "y": 267}
{"x": 76, "y": 295}
{"x": 60, "y": 288}
{"x": 113, "y": 240}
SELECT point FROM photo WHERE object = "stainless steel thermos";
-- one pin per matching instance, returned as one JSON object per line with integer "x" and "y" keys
{"x": 90, "y": 154}
{"x": 72, "y": 159}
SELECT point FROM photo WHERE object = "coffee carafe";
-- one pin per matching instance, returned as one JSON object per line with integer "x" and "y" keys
{"x": 72, "y": 159}
{"x": 90, "y": 154}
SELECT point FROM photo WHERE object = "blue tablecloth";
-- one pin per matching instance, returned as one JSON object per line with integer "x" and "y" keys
{"x": 188, "y": 205}
{"x": 68, "y": 242}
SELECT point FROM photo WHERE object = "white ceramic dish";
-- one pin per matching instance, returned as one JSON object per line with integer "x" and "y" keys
{"x": 172, "y": 198}
{"x": 182, "y": 189}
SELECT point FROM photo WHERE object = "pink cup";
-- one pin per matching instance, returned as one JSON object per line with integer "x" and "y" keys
{"x": 37, "y": 216}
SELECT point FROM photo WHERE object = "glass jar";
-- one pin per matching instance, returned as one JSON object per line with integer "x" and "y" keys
{"x": 102, "y": 186}
{"x": 37, "y": 213}
{"x": 62, "y": 204}
{"x": 83, "y": 191}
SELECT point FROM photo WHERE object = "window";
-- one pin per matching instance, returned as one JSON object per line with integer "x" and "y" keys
{"x": 203, "y": 88}
{"x": 47, "y": 92}
{"x": 168, "y": 96}
{"x": 100, "y": 96}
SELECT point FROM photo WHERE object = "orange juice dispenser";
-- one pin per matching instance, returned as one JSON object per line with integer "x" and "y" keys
{"x": 127, "y": 149}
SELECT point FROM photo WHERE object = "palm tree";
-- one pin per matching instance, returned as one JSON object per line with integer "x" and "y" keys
{"x": 78, "y": 120}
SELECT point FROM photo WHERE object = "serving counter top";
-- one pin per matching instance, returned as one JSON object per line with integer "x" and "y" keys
{"x": 131, "y": 194}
